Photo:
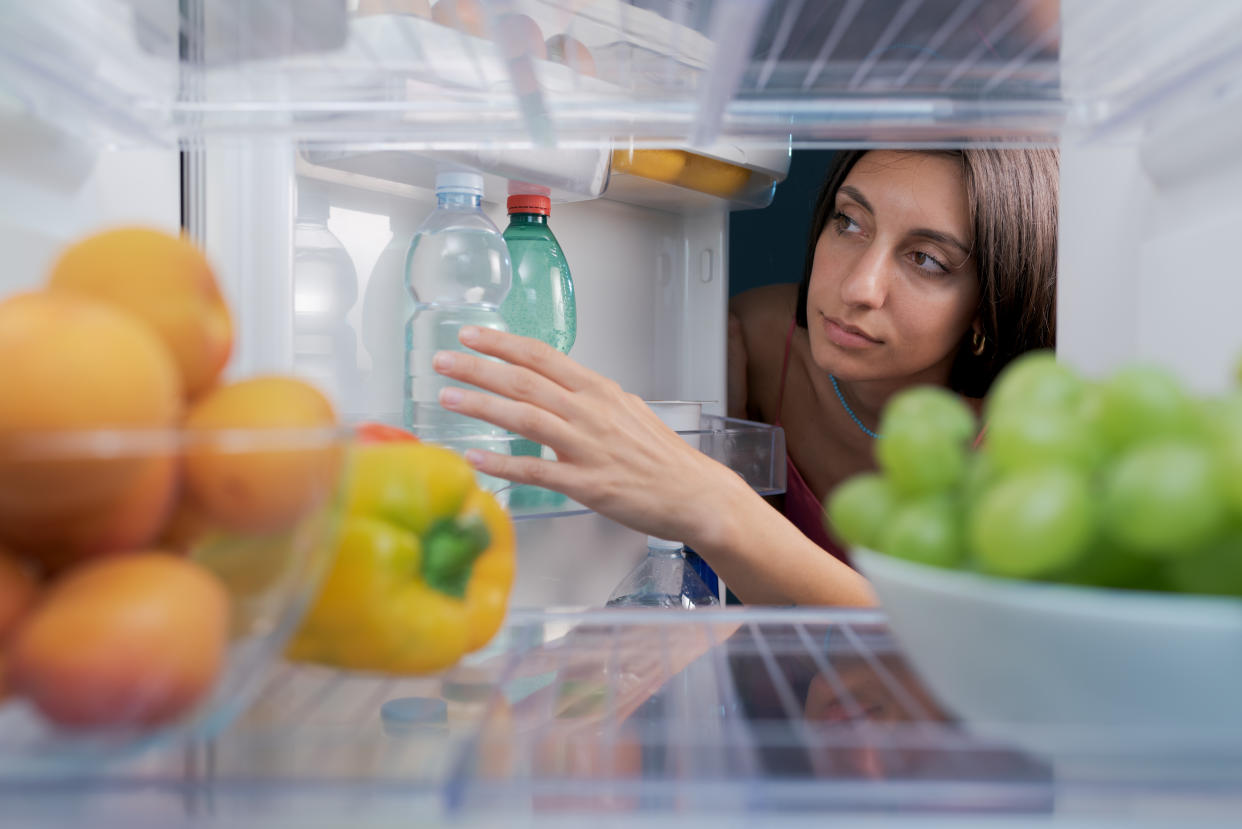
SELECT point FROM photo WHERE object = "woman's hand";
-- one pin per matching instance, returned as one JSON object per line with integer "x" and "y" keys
{"x": 614, "y": 454}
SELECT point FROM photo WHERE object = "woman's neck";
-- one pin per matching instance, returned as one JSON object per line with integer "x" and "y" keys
{"x": 867, "y": 398}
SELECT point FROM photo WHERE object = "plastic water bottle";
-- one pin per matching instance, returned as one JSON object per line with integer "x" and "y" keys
{"x": 387, "y": 306}
{"x": 458, "y": 273}
{"x": 325, "y": 288}
{"x": 540, "y": 303}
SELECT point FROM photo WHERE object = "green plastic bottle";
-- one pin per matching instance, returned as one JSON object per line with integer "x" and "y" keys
{"x": 540, "y": 302}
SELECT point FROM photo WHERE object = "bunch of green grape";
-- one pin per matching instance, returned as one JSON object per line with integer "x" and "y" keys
{"x": 1130, "y": 482}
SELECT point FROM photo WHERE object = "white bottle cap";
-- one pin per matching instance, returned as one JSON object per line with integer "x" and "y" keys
{"x": 459, "y": 182}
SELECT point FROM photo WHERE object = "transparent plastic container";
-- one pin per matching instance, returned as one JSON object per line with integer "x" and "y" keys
{"x": 120, "y": 491}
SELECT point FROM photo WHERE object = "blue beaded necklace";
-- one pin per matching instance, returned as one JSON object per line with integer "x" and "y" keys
{"x": 848, "y": 410}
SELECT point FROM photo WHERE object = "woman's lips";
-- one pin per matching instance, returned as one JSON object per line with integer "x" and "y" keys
{"x": 848, "y": 336}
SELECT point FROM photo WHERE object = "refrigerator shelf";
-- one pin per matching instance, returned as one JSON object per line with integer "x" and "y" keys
{"x": 755, "y": 451}
{"x": 750, "y": 715}
{"x": 848, "y": 72}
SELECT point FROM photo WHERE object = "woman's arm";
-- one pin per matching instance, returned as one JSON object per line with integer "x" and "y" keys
{"x": 615, "y": 456}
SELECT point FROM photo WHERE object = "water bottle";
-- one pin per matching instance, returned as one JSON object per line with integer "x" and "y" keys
{"x": 386, "y": 310}
{"x": 325, "y": 288}
{"x": 540, "y": 303}
{"x": 458, "y": 273}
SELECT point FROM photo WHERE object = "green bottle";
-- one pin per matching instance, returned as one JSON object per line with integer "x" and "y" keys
{"x": 540, "y": 302}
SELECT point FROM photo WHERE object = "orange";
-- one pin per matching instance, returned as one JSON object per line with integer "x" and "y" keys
{"x": 165, "y": 281}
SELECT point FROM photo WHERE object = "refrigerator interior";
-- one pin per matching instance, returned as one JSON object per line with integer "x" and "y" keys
{"x": 219, "y": 115}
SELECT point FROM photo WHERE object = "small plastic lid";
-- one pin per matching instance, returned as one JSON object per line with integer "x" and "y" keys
{"x": 459, "y": 182}
{"x": 530, "y": 203}
{"x": 407, "y": 714}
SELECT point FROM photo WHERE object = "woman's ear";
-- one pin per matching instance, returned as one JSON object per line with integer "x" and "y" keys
{"x": 978, "y": 340}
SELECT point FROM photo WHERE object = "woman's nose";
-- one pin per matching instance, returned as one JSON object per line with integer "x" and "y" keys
{"x": 866, "y": 282}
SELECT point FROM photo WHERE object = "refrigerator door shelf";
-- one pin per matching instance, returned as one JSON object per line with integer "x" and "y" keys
{"x": 755, "y": 451}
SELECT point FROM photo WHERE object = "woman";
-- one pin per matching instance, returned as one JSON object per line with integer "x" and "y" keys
{"x": 923, "y": 268}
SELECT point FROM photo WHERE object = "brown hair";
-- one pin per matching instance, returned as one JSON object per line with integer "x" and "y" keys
{"x": 1013, "y": 206}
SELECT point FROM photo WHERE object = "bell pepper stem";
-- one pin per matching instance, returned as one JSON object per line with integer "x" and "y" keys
{"x": 450, "y": 548}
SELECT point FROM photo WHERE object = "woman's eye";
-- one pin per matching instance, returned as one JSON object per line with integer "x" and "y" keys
{"x": 928, "y": 262}
{"x": 843, "y": 223}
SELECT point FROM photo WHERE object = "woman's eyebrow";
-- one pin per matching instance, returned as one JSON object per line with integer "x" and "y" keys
{"x": 941, "y": 237}
{"x": 853, "y": 193}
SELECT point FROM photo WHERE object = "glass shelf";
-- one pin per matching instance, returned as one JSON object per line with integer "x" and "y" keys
{"x": 666, "y": 72}
{"x": 772, "y": 716}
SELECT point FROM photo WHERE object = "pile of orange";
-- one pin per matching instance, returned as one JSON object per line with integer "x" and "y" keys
{"x": 110, "y": 471}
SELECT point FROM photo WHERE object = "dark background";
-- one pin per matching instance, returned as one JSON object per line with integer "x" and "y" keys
{"x": 769, "y": 245}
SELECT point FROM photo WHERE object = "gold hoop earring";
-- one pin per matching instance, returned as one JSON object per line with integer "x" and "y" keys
{"x": 978, "y": 342}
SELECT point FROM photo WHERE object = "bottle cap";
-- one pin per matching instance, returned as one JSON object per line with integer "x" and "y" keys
{"x": 409, "y": 715}
{"x": 459, "y": 182}
{"x": 529, "y": 203}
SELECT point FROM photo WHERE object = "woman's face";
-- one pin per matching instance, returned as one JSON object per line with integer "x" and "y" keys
{"x": 893, "y": 286}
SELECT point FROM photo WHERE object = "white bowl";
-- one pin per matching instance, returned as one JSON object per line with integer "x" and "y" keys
{"x": 1062, "y": 669}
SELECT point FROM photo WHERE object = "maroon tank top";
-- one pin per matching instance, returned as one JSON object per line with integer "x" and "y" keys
{"x": 802, "y": 508}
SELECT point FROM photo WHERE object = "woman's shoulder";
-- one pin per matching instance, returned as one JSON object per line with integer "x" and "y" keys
{"x": 766, "y": 312}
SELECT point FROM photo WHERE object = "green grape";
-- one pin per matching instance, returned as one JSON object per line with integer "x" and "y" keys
{"x": 927, "y": 530}
{"x": 1142, "y": 403}
{"x": 926, "y": 430}
{"x": 920, "y": 459}
{"x": 1163, "y": 499}
{"x": 981, "y": 473}
{"x": 1033, "y": 524}
{"x": 859, "y": 508}
{"x": 1020, "y": 439}
{"x": 1221, "y": 417}
{"x": 1035, "y": 381}
{"x": 932, "y": 406}
{"x": 1215, "y": 570}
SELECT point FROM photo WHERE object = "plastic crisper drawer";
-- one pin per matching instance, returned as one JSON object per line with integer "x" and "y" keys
{"x": 669, "y": 72}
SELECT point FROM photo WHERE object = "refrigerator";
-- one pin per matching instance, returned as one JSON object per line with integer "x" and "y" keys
{"x": 277, "y": 131}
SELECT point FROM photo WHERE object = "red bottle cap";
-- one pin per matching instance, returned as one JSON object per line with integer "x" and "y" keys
{"x": 525, "y": 203}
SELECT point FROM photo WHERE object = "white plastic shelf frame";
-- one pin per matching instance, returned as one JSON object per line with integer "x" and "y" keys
{"x": 710, "y": 717}
{"x": 670, "y": 72}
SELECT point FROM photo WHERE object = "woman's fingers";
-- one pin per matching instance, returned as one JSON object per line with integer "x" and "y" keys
{"x": 532, "y": 354}
{"x": 514, "y": 382}
{"x": 523, "y": 470}
{"x": 526, "y": 419}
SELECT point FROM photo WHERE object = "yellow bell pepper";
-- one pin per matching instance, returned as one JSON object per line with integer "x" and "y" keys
{"x": 422, "y": 570}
